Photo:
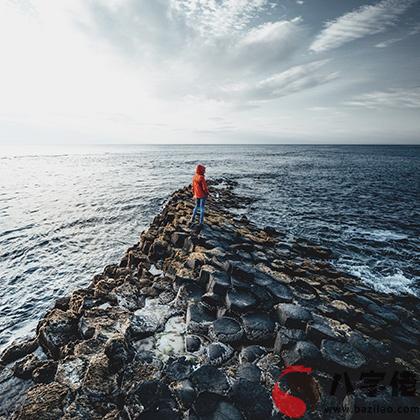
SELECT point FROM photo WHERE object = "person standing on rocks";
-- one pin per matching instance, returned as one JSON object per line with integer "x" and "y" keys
{"x": 200, "y": 192}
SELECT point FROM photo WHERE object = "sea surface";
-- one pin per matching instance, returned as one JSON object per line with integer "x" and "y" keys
{"x": 66, "y": 212}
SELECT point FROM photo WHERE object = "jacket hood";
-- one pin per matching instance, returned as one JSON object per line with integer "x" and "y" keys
{"x": 200, "y": 169}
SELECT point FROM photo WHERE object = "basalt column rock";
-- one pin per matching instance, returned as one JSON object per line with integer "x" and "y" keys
{"x": 199, "y": 322}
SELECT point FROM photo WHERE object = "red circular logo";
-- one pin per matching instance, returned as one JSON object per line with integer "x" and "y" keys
{"x": 288, "y": 404}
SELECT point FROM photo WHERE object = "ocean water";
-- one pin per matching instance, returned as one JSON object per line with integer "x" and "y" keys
{"x": 66, "y": 212}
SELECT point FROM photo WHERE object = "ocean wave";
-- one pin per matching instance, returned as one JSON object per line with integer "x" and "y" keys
{"x": 379, "y": 235}
{"x": 395, "y": 283}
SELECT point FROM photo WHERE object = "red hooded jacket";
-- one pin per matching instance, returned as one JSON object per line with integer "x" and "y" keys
{"x": 199, "y": 185}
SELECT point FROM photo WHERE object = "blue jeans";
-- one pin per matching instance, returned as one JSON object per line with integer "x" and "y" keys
{"x": 199, "y": 206}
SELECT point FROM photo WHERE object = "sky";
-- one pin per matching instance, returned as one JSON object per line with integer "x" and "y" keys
{"x": 209, "y": 71}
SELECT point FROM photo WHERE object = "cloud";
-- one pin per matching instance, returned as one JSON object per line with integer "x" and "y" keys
{"x": 211, "y": 18}
{"x": 194, "y": 47}
{"x": 268, "y": 44}
{"x": 388, "y": 42}
{"x": 270, "y": 32}
{"x": 402, "y": 98}
{"x": 367, "y": 20}
{"x": 293, "y": 80}
{"x": 168, "y": 70}
{"x": 141, "y": 29}
{"x": 414, "y": 30}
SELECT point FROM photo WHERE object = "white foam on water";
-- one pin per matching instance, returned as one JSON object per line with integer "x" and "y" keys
{"x": 379, "y": 235}
{"x": 390, "y": 284}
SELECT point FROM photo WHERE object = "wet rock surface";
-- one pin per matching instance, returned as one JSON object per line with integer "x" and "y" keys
{"x": 198, "y": 323}
{"x": 226, "y": 330}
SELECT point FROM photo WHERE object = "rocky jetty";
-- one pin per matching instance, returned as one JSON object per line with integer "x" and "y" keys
{"x": 199, "y": 323}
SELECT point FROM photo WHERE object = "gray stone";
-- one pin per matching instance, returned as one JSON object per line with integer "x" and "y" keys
{"x": 195, "y": 261}
{"x": 23, "y": 368}
{"x": 243, "y": 271}
{"x": 221, "y": 262}
{"x": 303, "y": 290}
{"x": 185, "y": 393}
{"x": 405, "y": 337}
{"x": 159, "y": 250}
{"x": 18, "y": 349}
{"x": 178, "y": 369}
{"x": 249, "y": 372}
{"x": 287, "y": 338}
{"x": 44, "y": 402}
{"x": 226, "y": 411}
{"x": 371, "y": 348}
{"x": 143, "y": 325}
{"x": 155, "y": 397}
{"x": 205, "y": 404}
{"x": 316, "y": 332}
{"x": 302, "y": 353}
{"x": 45, "y": 372}
{"x": 205, "y": 273}
{"x": 252, "y": 398}
{"x": 240, "y": 300}
{"x": 212, "y": 301}
{"x": 252, "y": 353}
{"x": 258, "y": 326}
{"x": 188, "y": 245}
{"x": 219, "y": 282}
{"x": 103, "y": 323}
{"x": 119, "y": 352}
{"x": 70, "y": 371}
{"x": 98, "y": 382}
{"x": 359, "y": 406}
{"x": 280, "y": 292}
{"x": 226, "y": 330}
{"x": 218, "y": 353}
{"x": 342, "y": 354}
{"x": 209, "y": 378}
{"x": 293, "y": 316}
{"x": 178, "y": 239}
{"x": 128, "y": 296}
{"x": 83, "y": 408}
{"x": 383, "y": 312}
{"x": 192, "y": 343}
{"x": 198, "y": 318}
{"x": 55, "y": 331}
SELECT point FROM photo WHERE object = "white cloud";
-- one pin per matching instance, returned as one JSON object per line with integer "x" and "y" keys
{"x": 293, "y": 80}
{"x": 318, "y": 108}
{"x": 402, "y": 98}
{"x": 173, "y": 70}
{"x": 270, "y": 32}
{"x": 267, "y": 44}
{"x": 367, "y": 20}
{"x": 212, "y": 18}
{"x": 388, "y": 42}
{"x": 196, "y": 46}
{"x": 413, "y": 30}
